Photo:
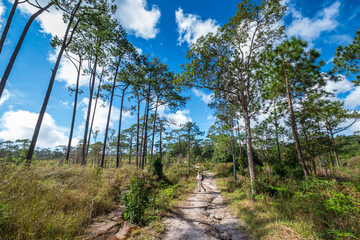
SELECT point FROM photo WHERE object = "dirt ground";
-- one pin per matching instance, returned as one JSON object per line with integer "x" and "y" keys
{"x": 203, "y": 216}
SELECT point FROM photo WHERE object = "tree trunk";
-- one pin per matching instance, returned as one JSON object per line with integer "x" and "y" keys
{"x": 146, "y": 128}
{"x": 249, "y": 145}
{"x": 277, "y": 132}
{"x": 153, "y": 133}
{"x": 137, "y": 134}
{"x": 294, "y": 130}
{"x": 189, "y": 154}
{"x": 74, "y": 113}
{"x": 131, "y": 139}
{"x": 18, "y": 46}
{"x": 95, "y": 107}
{"x": 309, "y": 149}
{"x": 109, "y": 115}
{"x": 233, "y": 148}
{"x": 8, "y": 23}
{"x": 85, "y": 145}
{"x": 142, "y": 140}
{"x": 240, "y": 154}
{"x": 160, "y": 146}
{"x": 119, "y": 131}
{"x": 334, "y": 148}
{"x": 65, "y": 44}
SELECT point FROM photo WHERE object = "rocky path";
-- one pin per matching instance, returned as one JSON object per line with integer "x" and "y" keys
{"x": 203, "y": 216}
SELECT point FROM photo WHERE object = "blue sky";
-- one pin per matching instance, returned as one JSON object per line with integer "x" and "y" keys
{"x": 160, "y": 28}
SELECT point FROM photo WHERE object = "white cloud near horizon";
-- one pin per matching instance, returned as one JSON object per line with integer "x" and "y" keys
{"x": 206, "y": 98}
{"x": 191, "y": 27}
{"x": 20, "y": 125}
{"x": 138, "y": 19}
{"x": 311, "y": 29}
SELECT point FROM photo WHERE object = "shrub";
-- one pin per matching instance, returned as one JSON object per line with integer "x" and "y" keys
{"x": 157, "y": 167}
{"x": 136, "y": 201}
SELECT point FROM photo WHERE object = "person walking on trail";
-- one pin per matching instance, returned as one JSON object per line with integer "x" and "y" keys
{"x": 199, "y": 179}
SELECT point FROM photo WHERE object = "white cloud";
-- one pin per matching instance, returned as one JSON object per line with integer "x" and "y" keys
{"x": 5, "y": 96}
{"x": 191, "y": 27}
{"x": 342, "y": 86}
{"x": 2, "y": 12}
{"x": 211, "y": 118}
{"x": 178, "y": 118}
{"x": 343, "y": 39}
{"x": 139, "y": 50}
{"x": 65, "y": 104}
{"x": 20, "y": 125}
{"x": 310, "y": 29}
{"x": 101, "y": 114}
{"x": 355, "y": 127}
{"x": 353, "y": 99}
{"x": 50, "y": 21}
{"x": 136, "y": 18}
{"x": 175, "y": 119}
{"x": 68, "y": 73}
{"x": 204, "y": 97}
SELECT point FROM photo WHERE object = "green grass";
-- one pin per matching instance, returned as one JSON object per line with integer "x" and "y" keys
{"x": 293, "y": 209}
{"x": 51, "y": 202}
{"x": 48, "y": 201}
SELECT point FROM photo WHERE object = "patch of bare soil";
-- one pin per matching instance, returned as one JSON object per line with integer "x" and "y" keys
{"x": 203, "y": 216}
{"x": 109, "y": 227}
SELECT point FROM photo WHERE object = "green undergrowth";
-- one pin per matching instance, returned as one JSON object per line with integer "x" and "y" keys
{"x": 147, "y": 201}
{"x": 47, "y": 201}
{"x": 295, "y": 209}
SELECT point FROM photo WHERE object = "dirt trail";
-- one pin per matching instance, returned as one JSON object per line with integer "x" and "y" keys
{"x": 203, "y": 216}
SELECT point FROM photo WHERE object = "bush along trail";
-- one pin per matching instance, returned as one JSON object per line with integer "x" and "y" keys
{"x": 203, "y": 215}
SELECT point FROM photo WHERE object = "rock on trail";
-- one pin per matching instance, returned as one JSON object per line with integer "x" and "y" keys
{"x": 203, "y": 216}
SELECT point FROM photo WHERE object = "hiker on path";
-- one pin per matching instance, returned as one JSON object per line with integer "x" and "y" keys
{"x": 199, "y": 179}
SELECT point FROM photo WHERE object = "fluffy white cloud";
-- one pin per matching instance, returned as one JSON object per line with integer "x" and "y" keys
{"x": 20, "y": 125}
{"x": 2, "y": 12}
{"x": 342, "y": 86}
{"x": 310, "y": 29}
{"x": 178, "y": 118}
{"x": 204, "y": 97}
{"x": 101, "y": 114}
{"x": 355, "y": 127}
{"x": 68, "y": 73}
{"x": 191, "y": 27}
{"x": 50, "y": 21}
{"x": 211, "y": 118}
{"x": 136, "y": 18}
{"x": 353, "y": 99}
{"x": 5, "y": 96}
{"x": 343, "y": 39}
{"x": 175, "y": 119}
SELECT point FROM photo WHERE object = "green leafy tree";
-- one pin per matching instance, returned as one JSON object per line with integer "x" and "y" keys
{"x": 347, "y": 59}
{"x": 292, "y": 72}
{"x": 228, "y": 60}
